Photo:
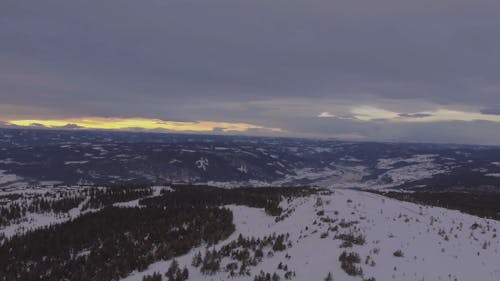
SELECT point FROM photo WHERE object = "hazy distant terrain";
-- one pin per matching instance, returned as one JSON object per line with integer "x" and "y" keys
{"x": 99, "y": 157}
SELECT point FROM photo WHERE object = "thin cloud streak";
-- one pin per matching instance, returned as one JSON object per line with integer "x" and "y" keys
{"x": 371, "y": 114}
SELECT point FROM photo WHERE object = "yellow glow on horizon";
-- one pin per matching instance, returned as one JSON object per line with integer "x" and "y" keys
{"x": 141, "y": 123}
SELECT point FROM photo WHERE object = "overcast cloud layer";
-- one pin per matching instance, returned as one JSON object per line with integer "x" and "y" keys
{"x": 425, "y": 70}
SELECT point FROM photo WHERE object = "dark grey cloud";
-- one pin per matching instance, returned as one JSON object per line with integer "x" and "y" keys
{"x": 176, "y": 60}
{"x": 492, "y": 111}
{"x": 477, "y": 132}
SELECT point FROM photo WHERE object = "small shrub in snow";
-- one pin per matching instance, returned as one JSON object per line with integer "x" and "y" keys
{"x": 319, "y": 202}
{"x": 334, "y": 229}
{"x": 350, "y": 257}
{"x": 329, "y": 277}
{"x": 351, "y": 238}
{"x": 197, "y": 260}
{"x": 155, "y": 277}
{"x": 398, "y": 254}
{"x": 279, "y": 245}
{"x": 211, "y": 263}
{"x": 346, "y": 244}
{"x": 345, "y": 224}
{"x": 262, "y": 276}
{"x": 174, "y": 273}
{"x": 232, "y": 266}
{"x": 289, "y": 275}
{"x": 244, "y": 270}
{"x": 259, "y": 254}
{"x": 174, "y": 267}
{"x": 327, "y": 220}
{"x": 348, "y": 263}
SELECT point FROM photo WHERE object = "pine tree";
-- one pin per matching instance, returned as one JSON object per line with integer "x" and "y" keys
{"x": 172, "y": 270}
{"x": 185, "y": 274}
{"x": 197, "y": 260}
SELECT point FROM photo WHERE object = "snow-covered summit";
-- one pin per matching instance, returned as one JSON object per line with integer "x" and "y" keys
{"x": 394, "y": 240}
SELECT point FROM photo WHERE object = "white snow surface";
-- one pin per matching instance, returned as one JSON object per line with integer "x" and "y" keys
{"x": 438, "y": 244}
{"x": 75, "y": 162}
{"x": 135, "y": 203}
{"x": 9, "y": 180}
{"x": 202, "y": 163}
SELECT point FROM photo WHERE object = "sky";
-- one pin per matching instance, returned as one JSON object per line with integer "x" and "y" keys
{"x": 382, "y": 70}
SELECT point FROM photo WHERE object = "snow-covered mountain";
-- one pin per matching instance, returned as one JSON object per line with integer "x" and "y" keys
{"x": 400, "y": 241}
{"x": 350, "y": 234}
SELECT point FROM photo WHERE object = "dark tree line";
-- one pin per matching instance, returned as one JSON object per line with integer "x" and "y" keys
{"x": 13, "y": 207}
{"x": 264, "y": 197}
{"x": 482, "y": 204}
{"x": 14, "y": 211}
{"x": 102, "y": 197}
{"x": 110, "y": 244}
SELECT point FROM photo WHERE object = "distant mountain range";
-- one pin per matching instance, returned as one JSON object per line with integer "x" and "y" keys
{"x": 103, "y": 157}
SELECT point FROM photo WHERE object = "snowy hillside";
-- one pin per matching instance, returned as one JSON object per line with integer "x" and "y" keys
{"x": 394, "y": 240}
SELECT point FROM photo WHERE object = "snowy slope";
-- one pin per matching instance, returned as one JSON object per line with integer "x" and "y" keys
{"x": 34, "y": 220}
{"x": 437, "y": 244}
